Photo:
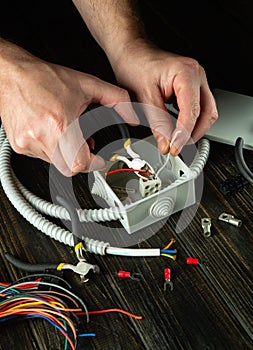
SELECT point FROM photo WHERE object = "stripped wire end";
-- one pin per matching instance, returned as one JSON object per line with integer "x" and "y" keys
{"x": 166, "y": 249}
{"x": 173, "y": 257}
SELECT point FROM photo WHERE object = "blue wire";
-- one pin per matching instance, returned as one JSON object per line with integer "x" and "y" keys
{"x": 7, "y": 318}
{"x": 12, "y": 289}
{"x": 169, "y": 251}
{"x": 87, "y": 335}
{"x": 32, "y": 315}
{"x": 47, "y": 319}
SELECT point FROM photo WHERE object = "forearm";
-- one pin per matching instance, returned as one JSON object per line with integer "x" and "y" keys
{"x": 113, "y": 23}
{"x": 11, "y": 57}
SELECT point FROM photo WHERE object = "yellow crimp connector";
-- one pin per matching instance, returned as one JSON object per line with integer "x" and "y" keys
{"x": 60, "y": 266}
{"x": 78, "y": 246}
{"x": 127, "y": 143}
{"x": 114, "y": 157}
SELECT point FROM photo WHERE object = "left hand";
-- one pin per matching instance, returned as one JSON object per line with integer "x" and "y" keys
{"x": 153, "y": 76}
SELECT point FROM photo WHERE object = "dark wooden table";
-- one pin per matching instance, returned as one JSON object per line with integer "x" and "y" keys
{"x": 210, "y": 306}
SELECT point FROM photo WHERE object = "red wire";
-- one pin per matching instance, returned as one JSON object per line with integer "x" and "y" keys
{"x": 96, "y": 312}
{"x": 125, "y": 170}
{"x": 24, "y": 286}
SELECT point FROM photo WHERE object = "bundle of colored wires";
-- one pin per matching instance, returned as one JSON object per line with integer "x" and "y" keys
{"x": 56, "y": 304}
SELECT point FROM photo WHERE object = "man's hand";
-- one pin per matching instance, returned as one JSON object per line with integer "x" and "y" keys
{"x": 39, "y": 101}
{"x": 153, "y": 76}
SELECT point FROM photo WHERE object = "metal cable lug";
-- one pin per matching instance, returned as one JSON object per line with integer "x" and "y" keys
{"x": 206, "y": 226}
{"x": 230, "y": 219}
{"x": 82, "y": 268}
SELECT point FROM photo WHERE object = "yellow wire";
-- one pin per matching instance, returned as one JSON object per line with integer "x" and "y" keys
{"x": 173, "y": 257}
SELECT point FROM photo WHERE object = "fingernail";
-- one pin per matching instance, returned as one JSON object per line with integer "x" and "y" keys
{"x": 163, "y": 144}
{"x": 175, "y": 150}
{"x": 127, "y": 112}
{"x": 97, "y": 163}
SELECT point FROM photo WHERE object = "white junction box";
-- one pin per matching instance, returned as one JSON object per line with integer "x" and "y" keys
{"x": 171, "y": 192}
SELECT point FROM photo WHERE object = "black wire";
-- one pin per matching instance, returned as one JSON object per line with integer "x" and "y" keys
{"x": 27, "y": 266}
{"x": 123, "y": 129}
{"x": 244, "y": 169}
{"x": 75, "y": 222}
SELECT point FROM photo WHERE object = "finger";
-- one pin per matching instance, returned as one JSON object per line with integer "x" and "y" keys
{"x": 111, "y": 96}
{"x": 76, "y": 152}
{"x": 188, "y": 99}
{"x": 208, "y": 115}
{"x": 58, "y": 161}
{"x": 180, "y": 137}
{"x": 27, "y": 144}
{"x": 159, "y": 119}
{"x": 187, "y": 92}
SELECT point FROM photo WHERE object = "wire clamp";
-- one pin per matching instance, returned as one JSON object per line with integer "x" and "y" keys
{"x": 82, "y": 268}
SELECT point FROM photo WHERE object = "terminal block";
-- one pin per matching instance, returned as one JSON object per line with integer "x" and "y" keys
{"x": 149, "y": 186}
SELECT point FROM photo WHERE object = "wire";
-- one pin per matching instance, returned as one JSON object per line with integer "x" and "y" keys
{"x": 97, "y": 312}
{"x": 173, "y": 257}
{"x": 50, "y": 306}
{"x": 55, "y": 286}
{"x": 168, "y": 155}
{"x": 168, "y": 251}
{"x": 125, "y": 170}
{"x": 60, "y": 279}
{"x": 240, "y": 161}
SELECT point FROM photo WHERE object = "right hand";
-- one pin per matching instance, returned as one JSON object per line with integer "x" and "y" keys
{"x": 39, "y": 100}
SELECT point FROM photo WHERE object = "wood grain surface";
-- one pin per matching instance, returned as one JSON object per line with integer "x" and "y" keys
{"x": 210, "y": 306}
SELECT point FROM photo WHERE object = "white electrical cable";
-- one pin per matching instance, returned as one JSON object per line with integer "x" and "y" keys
{"x": 30, "y": 206}
{"x": 168, "y": 155}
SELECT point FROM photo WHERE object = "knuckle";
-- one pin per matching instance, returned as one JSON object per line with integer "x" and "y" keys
{"x": 80, "y": 167}
{"x": 193, "y": 64}
{"x": 21, "y": 142}
{"x": 195, "y": 111}
{"x": 214, "y": 117}
{"x": 54, "y": 123}
{"x": 123, "y": 94}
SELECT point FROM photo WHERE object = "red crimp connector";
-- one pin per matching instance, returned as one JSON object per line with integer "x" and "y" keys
{"x": 167, "y": 277}
{"x": 192, "y": 261}
{"x": 167, "y": 273}
{"x": 127, "y": 274}
{"x": 124, "y": 274}
{"x": 196, "y": 261}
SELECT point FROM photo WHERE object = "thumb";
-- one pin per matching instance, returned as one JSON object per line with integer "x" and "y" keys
{"x": 159, "y": 120}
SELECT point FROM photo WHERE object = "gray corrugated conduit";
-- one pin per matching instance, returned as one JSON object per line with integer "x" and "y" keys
{"x": 31, "y": 207}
